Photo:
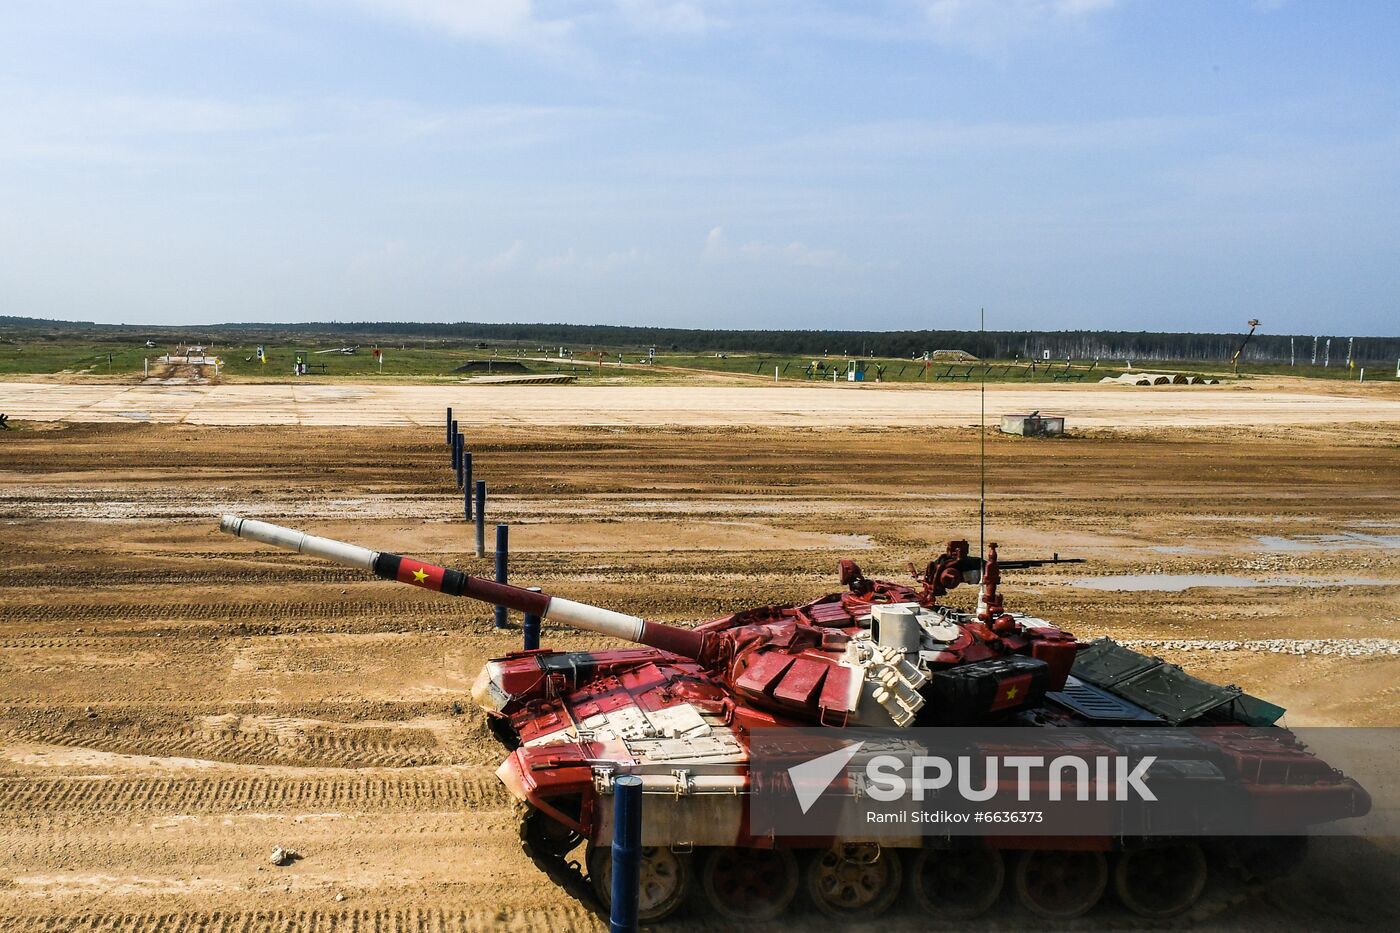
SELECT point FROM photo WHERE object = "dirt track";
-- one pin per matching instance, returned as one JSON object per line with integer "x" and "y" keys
{"x": 174, "y": 703}
{"x": 1260, "y": 403}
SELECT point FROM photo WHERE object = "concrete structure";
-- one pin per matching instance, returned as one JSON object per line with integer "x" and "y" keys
{"x": 1033, "y": 425}
{"x": 1158, "y": 379}
{"x": 531, "y": 379}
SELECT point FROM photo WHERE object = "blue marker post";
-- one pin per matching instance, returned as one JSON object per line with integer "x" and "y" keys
{"x": 481, "y": 518}
{"x": 467, "y": 483}
{"x": 531, "y": 627}
{"x": 456, "y": 452}
{"x": 461, "y": 460}
{"x": 626, "y": 853}
{"x": 502, "y": 557}
{"x": 450, "y": 426}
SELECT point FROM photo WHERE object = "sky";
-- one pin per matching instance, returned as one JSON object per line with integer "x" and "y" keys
{"x": 892, "y": 164}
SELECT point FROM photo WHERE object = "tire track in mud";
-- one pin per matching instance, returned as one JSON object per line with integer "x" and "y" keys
{"x": 88, "y": 839}
{"x": 547, "y": 918}
{"x": 400, "y": 748}
{"x": 672, "y": 601}
{"x": 318, "y": 734}
{"x": 544, "y": 919}
{"x": 477, "y": 788}
{"x": 228, "y": 612}
{"x": 57, "y": 579}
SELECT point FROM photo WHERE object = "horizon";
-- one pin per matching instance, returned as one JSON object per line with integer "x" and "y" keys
{"x": 1071, "y": 165}
{"x": 19, "y": 322}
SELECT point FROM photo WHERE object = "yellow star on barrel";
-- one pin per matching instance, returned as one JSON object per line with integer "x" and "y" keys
{"x": 1011, "y": 693}
{"x": 420, "y": 575}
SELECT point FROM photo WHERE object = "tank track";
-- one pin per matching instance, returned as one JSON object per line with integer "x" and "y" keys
{"x": 565, "y": 872}
{"x": 1224, "y": 891}
{"x": 1220, "y": 896}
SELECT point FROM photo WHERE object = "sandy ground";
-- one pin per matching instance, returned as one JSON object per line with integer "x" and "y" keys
{"x": 321, "y": 405}
{"x": 174, "y": 703}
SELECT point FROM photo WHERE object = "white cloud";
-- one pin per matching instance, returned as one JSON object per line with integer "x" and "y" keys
{"x": 386, "y": 259}
{"x": 565, "y": 260}
{"x": 716, "y": 246}
{"x": 125, "y": 129}
{"x": 589, "y": 266}
{"x": 127, "y": 115}
{"x": 917, "y": 137}
{"x": 864, "y": 149}
{"x": 155, "y": 129}
{"x": 682, "y": 17}
{"x": 502, "y": 21}
{"x": 615, "y": 260}
{"x": 520, "y": 22}
{"x": 990, "y": 27}
{"x": 718, "y": 249}
{"x": 488, "y": 126}
{"x": 506, "y": 259}
{"x": 1078, "y": 7}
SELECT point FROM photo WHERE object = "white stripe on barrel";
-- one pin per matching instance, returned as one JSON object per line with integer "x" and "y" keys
{"x": 349, "y": 554}
{"x": 594, "y": 619}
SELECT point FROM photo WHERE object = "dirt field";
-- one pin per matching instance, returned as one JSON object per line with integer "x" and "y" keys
{"x": 703, "y": 399}
{"x": 174, "y": 703}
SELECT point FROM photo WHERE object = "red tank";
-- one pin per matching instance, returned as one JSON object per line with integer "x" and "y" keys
{"x": 680, "y": 711}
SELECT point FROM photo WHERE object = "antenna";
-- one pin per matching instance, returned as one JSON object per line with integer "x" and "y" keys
{"x": 982, "y": 432}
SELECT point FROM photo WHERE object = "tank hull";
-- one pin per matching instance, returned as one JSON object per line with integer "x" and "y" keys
{"x": 671, "y": 722}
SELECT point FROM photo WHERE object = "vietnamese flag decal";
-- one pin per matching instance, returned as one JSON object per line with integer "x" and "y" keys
{"x": 1011, "y": 692}
{"x": 420, "y": 574}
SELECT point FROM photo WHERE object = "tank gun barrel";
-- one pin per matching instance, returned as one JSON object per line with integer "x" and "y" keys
{"x": 456, "y": 583}
{"x": 1027, "y": 563}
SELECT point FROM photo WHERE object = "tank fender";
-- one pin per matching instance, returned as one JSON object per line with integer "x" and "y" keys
{"x": 540, "y": 787}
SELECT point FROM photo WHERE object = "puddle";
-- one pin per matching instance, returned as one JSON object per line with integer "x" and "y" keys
{"x": 1345, "y": 541}
{"x": 1179, "y": 582}
{"x": 1179, "y": 549}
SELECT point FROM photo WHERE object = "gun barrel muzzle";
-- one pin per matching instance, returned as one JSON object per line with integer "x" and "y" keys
{"x": 352, "y": 555}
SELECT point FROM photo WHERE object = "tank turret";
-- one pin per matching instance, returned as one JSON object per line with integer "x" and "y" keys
{"x": 875, "y": 656}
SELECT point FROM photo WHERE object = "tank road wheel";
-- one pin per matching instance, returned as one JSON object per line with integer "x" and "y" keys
{"x": 1160, "y": 881}
{"x": 665, "y": 881}
{"x": 1060, "y": 885}
{"x": 958, "y": 884}
{"x": 854, "y": 882}
{"x": 749, "y": 885}
{"x": 546, "y": 836}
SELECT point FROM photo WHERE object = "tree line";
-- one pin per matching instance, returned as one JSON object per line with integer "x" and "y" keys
{"x": 1068, "y": 344}
{"x": 1079, "y": 344}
